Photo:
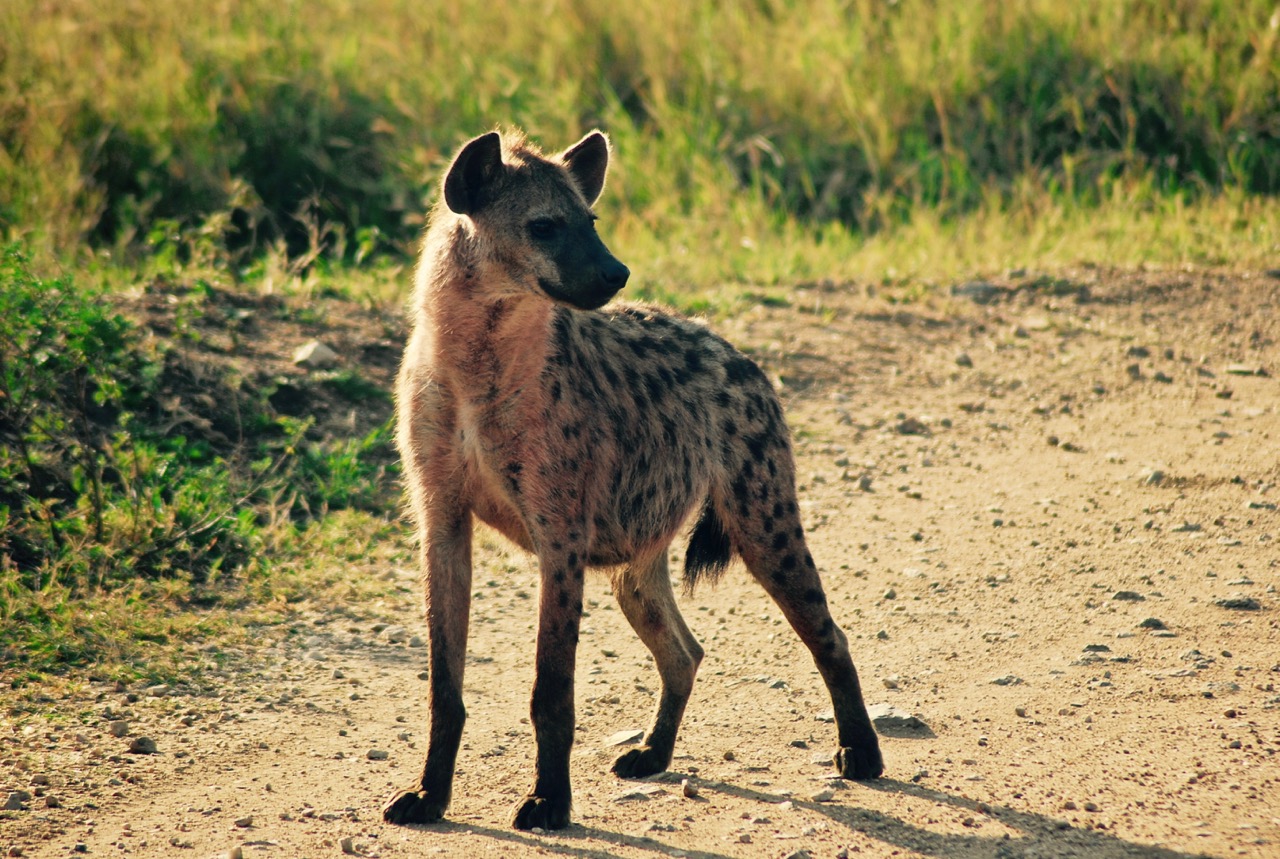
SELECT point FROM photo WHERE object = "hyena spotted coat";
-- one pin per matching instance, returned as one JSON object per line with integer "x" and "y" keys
{"x": 587, "y": 436}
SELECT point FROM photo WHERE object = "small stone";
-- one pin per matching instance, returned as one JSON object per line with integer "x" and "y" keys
{"x": 1020, "y": 712}
{"x": 730, "y": 756}
{"x": 118, "y": 727}
{"x": 888, "y": 718}
{"x": 1238, "y": 602}
{"x": 963, "y": 360}
{"x": 641, "y": 792}
{"x": 1152, "y": 623}
{"x": 314, "y": 355}
{"x": 824, "y": 796}
{"x": 882, "y": 635}
{"x": 245, "y": 822}
{"x": 143, "y": 746}
{"x": 1128, "y": 596}
{"x": 822, "y": 759}
{"x": 890, "y": 594}
{"x": 17, "y": 800}
{"x": 1007, "y": 680}
{"x": 688, "y": 788}
{"x": 395, "y": 634}
{"x": 51, "y": 801}
{"x": 348, "y": 845}
{"x": 233, "y": 853}
{"x": 623, "y": 738}
{"x": 912, "y": 426}
{"x": 377, "y": 754}
{"x": 1090, "y": 806}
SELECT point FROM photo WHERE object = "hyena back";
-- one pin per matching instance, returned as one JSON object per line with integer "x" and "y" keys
{"x": 587, "y": 437}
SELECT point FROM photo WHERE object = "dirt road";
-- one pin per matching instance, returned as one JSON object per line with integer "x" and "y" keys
{"x": 1046, "y": 514}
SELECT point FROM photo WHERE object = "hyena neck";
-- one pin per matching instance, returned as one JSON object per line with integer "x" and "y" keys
{"x": 487, "y": 338}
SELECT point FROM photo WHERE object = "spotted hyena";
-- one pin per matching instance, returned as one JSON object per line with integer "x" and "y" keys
{"x": 587, "y": 435}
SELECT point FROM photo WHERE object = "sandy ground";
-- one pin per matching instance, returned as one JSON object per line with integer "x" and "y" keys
{"x": 1027, "y": 499}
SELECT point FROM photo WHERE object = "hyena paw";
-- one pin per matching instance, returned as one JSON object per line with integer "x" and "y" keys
{"x": 542, "y": 812}
{"x": 412, "y": 807}
{"x": 861, "y": 762}
{"x": 638, "y": 763}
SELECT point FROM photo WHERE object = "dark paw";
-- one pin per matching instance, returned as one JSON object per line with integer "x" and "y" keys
{"x": 861, "y": 763}
{"x": 641, "y": 762}
{"x": 412, "y": 807}
{"x": 543, "y": 813}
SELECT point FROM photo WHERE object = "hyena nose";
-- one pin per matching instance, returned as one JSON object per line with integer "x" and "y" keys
{"x": 615, "y": 274}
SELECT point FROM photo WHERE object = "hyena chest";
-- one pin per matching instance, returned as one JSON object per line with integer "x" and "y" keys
{"x": 495, "y": 461}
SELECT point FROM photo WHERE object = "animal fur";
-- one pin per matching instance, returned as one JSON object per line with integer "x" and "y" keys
{"x": 588, "y": 435}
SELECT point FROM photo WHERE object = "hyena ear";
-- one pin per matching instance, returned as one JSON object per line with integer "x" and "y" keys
{"x": 588, "y": 161}
{"x": 468, "y": 186}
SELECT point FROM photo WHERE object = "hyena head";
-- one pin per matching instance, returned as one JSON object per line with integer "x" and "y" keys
{"x": 532, "y": 215}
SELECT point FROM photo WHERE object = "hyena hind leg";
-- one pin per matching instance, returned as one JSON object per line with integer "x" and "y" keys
{"x": 645, "y": 596}
{"x": 779, "y": 559}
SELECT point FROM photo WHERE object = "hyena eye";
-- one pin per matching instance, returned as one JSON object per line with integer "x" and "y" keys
{"x": 542, "y": 228}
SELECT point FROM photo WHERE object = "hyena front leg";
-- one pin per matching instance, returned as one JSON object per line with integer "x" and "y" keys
{"x": 559, "y": 618}
{"x": 645, "y": 596}
{"x": 446, "y": 564}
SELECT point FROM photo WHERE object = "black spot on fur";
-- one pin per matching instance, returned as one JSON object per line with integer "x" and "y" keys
{"x": 723, "y": 399}
{"x": 730, "y": 428}
{"x": 693, "y": 361}
{"x": 780, "y": 541}
{"x": 739, "y": 369}
{"x": 788, "y": 562}
{"x": 814, "y": 596}
{"x": 556, "y": 393}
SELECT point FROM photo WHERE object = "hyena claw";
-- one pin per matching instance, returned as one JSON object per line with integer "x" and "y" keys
{"x": 412, "y": 807}
{"x": 541, "y": 813}
{"x": 860, "y": 764}
{"x": 641, "y": 762}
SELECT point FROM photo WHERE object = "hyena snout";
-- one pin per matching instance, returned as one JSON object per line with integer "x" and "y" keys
{"x": 590, "y": 277}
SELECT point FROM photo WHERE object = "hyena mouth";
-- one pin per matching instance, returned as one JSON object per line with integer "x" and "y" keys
{"x": 591, "y": 298}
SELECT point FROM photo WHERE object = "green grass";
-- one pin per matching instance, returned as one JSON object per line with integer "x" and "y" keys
{"x": 125, "y": 491}
{"x": 759, "y": 142}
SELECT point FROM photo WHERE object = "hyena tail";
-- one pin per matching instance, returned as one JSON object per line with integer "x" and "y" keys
{"x": 709, "y": 549}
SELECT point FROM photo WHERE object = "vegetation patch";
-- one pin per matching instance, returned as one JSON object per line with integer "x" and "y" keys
{"x": 144, "y": 455}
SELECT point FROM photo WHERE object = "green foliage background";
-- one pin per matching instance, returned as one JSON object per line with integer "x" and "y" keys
{"x": 118, "y": 118}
